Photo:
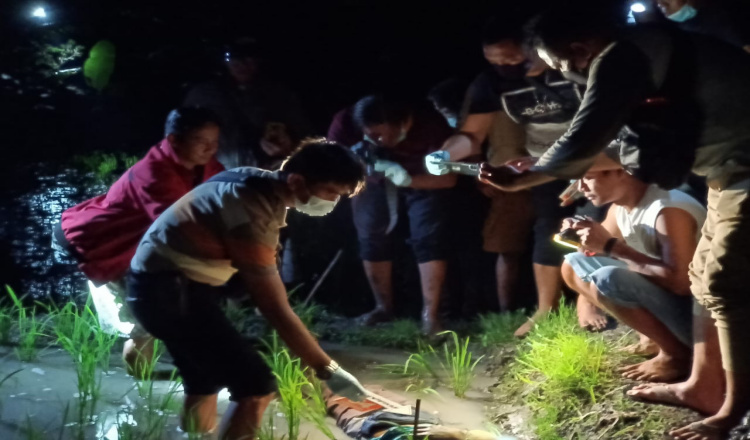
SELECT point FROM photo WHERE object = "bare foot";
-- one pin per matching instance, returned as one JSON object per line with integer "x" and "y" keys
{"x": 591, "y": 317}
{"x": 375, "y": 316}
{"x": 527, "y": 326}
{"x": 706, "y": 400}
{"x": 431, "y": 327}
{"x": 646, "y": 348}
{"x": 703, "y": 430}
{"x": 662, "y": 368}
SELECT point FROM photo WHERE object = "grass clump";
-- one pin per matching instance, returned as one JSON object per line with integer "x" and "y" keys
{"x": 498, "y": 328}
{"x": 564, "y": 365}
{"x": 294, "y": 384}
{"x": 401, "y": 333}
{"x": 459, "y": 364}
{"x": 89, "y": 346}
{"x": 28, "y": 327}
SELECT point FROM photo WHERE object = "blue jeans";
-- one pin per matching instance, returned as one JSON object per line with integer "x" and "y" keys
{"x": 625, "y": 288}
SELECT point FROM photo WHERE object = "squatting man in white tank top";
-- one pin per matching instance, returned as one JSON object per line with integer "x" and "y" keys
{"x": 635, "y": 263}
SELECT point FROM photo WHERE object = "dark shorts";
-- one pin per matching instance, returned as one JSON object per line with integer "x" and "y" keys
{"x": 208, "y": 351}
{"x": 427, "y": 223}
{"x": 549, "y": 217}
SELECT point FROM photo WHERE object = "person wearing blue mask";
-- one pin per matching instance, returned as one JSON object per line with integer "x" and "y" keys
{"x": 229, "y": 228}
{"x": 709, "y": 19}
{"x": 395, "y": 136}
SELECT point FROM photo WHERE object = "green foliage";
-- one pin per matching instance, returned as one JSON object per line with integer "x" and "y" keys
{"x": 99, "y": 66}
{"x": 105, "y": 168}
{"x": 402, "y": 333}
{"x": 498, "y": 328}
{"x": 89, "y": 346}
{"x": 459, "y": 364}
{"x": 293, "y": 385}
{"x": 564, "y": 366}
{"x": 28, "y": 327}
{"x": 49, "y": 58}
{"x": 6, "y": 325}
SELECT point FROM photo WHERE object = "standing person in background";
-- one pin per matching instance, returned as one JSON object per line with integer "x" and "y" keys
{"x": 484, "y": 130}
{"x": 464, "y": 292}
{"x": 706, "y": 18}
{"x": 529, "y": 99}
{"x": 396, "y": 136}
{"x": 102, "y": 233}
{"x": 684, "y": 112}
{"x": 262, "y": 120}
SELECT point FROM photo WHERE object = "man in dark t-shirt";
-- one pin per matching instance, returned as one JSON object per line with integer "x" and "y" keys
{"x": 709, "y": 19}
{"x": 393, "y": 139}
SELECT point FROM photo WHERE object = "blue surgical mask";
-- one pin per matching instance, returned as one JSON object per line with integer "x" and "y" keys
{"x": 684, "y": 14}
{"x": 452, "y": 121}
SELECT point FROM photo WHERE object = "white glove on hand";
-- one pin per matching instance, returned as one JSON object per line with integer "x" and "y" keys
{"x": 393, "y": 172}
{"x": 434, "y": 162}
{"x": 344, "y": 384}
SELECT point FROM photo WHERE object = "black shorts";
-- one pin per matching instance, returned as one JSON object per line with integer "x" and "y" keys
{"x": 428, "y": 221}
{"x": 208, "y": 351}
{"x": 549, "y": 217}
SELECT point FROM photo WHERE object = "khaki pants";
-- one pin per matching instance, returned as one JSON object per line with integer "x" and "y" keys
{"x": 720, "y": 271}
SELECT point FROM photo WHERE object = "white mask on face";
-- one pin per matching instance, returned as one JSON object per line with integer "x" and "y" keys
{"x": 315, "y": 207}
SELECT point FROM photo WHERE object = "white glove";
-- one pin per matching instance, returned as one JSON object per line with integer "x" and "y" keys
{"x": 434, "y": 162}
{"x": 393, "y": 172}
{"x": 344, "y": 384}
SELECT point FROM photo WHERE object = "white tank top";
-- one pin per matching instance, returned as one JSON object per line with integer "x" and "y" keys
{"x": 638, "y": 226}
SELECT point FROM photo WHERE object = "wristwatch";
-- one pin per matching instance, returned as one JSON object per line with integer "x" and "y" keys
{"x": 326, "y": 372}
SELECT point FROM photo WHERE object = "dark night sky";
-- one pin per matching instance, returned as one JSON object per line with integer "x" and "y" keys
{"x": 331, "y": 52}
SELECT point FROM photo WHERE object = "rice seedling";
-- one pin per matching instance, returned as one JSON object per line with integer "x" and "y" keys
{"x": 90, "y": 347}
{"x": 317, "y": 412}
{"x": 6, "y": 325}
{"x": 564, "y": 367}
{"x": 28, "y": 327}
{"x": 459, "y": 364}
{"x": 300, "y": 395}
{"x": 290, "y": 380}
{"x": 498, "y": 328}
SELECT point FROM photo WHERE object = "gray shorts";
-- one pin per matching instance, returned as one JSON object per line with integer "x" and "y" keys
{"x": 626, "y": 288}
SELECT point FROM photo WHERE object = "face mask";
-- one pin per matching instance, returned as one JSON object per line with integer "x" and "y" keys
{"x": 452, "y": 121}
{"x": 315, "y": 207}
{"x": 684, "y": 14}
{"x": 512, "y": 71}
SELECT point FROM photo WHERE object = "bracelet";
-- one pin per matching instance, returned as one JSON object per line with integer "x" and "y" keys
{"x": 327, "y": 371}
{"x": 609, "y": 245}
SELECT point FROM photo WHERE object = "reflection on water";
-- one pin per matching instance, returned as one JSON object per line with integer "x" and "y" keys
{"x": 28, "y": 208}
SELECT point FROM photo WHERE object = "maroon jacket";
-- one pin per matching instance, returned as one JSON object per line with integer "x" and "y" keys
{"x": 106, "y": 230}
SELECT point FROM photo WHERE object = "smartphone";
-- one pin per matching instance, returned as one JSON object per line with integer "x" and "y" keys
{"x": 567, "y": 238}
{"x": 467, "y": 169}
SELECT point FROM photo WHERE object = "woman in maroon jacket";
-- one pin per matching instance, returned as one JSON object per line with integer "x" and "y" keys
{"x": 102, "y": 233}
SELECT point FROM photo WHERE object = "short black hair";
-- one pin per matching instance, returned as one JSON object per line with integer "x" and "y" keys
{"x": 498, "y": 29}
{"x": 449, "y": 95}
{"x": 321, "y": 161}
{"x": 183, "y": 120}
{"x": 558, "y": 27}
{"x": 380, "y": 109}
